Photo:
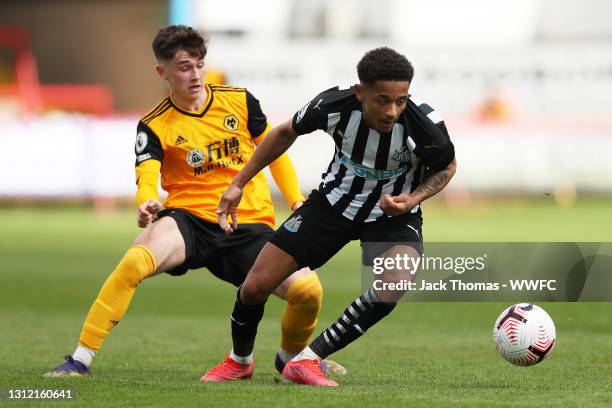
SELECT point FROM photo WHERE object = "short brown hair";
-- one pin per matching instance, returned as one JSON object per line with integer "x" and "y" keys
{"x": 173, "y": 38}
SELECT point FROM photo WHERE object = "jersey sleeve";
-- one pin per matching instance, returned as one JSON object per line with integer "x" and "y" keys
{"x": 312, "y": 116}
{"x": 432, "y": 142}
{"x": 147, "y": 178}
{"x": 148, "y": 146}
{"x": 257, "y": 121}
{"x": 284, "y": 176}
{"x": 439, "y": 152}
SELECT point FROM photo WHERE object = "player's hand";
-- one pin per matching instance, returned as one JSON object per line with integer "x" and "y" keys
{"x": 147, "y": 212}
{"x": 297, "y": 205}
{"x": 397, "y": 205}
{"x": 227, "y": 207}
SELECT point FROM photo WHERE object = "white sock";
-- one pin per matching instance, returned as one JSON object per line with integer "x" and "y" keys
{"x": 285, "y": 355}
{"x": 307, "y": 354}
{"x": 241, "y": 360}
{"x": 84, "y": 355}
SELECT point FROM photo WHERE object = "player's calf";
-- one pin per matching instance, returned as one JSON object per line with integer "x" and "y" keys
{"x": 367, "y": 310}
{"x": 392, "y": 277}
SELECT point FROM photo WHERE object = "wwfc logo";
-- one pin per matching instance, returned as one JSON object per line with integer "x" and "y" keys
{"x": 231, "y": 122}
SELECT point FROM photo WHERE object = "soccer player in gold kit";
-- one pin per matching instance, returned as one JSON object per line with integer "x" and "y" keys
{"x": 198, "y": 139}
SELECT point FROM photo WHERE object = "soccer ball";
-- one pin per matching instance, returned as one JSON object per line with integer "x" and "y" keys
{"x": 524, "y": 334}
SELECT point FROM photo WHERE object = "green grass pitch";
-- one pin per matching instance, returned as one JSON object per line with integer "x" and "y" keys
{"x": 53, "y": 261}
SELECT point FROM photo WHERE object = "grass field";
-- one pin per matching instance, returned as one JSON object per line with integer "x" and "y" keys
{"x": 53, "y": 261}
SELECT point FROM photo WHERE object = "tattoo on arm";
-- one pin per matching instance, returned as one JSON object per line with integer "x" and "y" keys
{"x": 434, "y": 183}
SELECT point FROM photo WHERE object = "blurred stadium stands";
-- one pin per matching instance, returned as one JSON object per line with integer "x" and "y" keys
{"x": 525, "y": 86}
{"x": 29, "y": 96}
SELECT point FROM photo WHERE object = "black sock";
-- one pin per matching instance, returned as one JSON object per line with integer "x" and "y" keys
{"x": 245, "y": 319}
{"x": 363, "y": 313}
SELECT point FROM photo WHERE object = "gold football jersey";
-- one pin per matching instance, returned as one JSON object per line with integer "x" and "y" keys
{"x": 201, "y": 152}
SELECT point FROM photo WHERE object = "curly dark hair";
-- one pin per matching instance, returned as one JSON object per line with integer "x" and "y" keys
{"x": 173, "y": 38}
{"x": 384, "y": 64}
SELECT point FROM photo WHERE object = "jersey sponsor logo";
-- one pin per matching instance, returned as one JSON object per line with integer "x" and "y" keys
{"x": 402, "y": 154}
{"x": 141, "y": 141}
{"x": 293, "y": 223}
{"x": 195, "y": 158}
{"x": 216, "y": 155}
{"x": 221, "y": 164}
{"x": 231, "y": 122}
{"x": 301, "y": 113}
{"x": 180, "y": 140}
{"x": 376, "y": 174}
{"x": 142, "y": 157}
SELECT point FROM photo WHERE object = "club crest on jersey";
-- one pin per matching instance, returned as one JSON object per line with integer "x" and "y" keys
{"x": 141, "y": 141}
{"x": 231, "y": 122}
{"x": 195, "y": 158}
{"x": 402, "y": 154}
{"x": 301, "y": 113}
{"x": 293, "y": 223}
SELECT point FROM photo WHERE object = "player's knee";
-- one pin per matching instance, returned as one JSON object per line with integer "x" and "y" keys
{"x": 306, "y": 292}
{"x": 137, "y": 264}
{"x": 254, "y": 292}
{"x": 164, "y": 243}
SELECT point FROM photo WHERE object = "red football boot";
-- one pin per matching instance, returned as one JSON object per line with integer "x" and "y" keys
{"x": 229, "y": 370}
{"x": 307, "y": 372}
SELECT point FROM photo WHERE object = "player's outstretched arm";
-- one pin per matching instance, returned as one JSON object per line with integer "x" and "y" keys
{"x": 432, "y": 185}
{"x": 278, "y": 141}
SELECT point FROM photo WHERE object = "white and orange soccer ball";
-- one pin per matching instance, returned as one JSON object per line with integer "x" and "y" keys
{"x": 524, "y": 334}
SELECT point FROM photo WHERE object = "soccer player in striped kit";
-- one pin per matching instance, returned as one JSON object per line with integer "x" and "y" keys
{"x": 198, "y": 139}
{"x": 392, "y": 152}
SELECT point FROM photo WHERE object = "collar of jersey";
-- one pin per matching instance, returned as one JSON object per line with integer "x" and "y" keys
{"x": 202, "y": 112}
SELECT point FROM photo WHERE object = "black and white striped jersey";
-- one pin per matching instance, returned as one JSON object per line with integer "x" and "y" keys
{"x": 368, "y": 164}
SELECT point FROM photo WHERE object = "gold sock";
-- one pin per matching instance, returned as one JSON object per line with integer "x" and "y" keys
{"x": 116, "y": 294}
{"x": 300, "y": 319}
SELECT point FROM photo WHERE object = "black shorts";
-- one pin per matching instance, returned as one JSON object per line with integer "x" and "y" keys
{"x": 228, "y": 257}
{"x": 315, "y": 232}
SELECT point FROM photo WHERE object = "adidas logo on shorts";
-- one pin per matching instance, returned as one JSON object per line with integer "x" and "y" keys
{"x": 293, "y": 224}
